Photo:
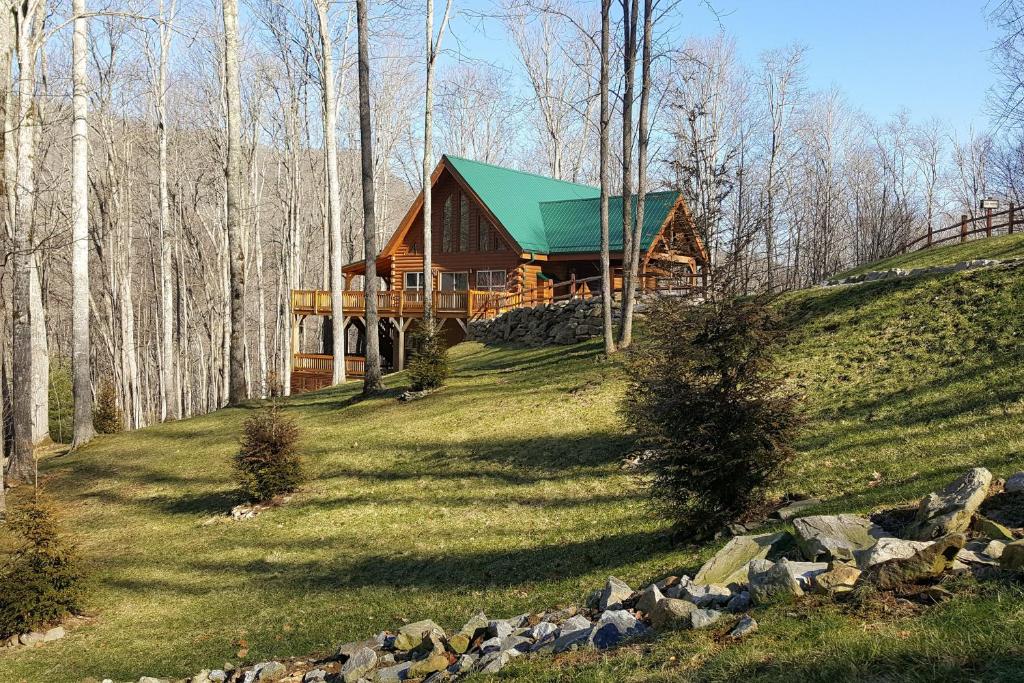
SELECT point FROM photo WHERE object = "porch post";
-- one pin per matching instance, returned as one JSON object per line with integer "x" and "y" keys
{"x": 401, "y": 343}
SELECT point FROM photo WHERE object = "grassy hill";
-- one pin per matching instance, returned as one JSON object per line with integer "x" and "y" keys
{"x": 505, "y": 492}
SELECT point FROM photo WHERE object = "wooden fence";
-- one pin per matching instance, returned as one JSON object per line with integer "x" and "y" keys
{"x": 988, "y": 224}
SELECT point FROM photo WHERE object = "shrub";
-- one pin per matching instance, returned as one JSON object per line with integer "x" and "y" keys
{"x": 107, "y": 417}
{"x": 267, "y": 462}
{"x": 42, "y": 578}
{"x": 704, "y": 401}
{"x": 428, "y": 368}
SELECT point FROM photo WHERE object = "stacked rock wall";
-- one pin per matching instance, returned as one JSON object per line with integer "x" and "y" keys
{"x": 563, "y": 322}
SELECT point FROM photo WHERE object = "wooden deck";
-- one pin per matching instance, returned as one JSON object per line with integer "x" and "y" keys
{"x": 394, "y": 304}
{"x": 312, "y": 371}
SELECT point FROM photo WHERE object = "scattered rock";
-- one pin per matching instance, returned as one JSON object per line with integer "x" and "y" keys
{"x": 613, "y": 627}
{"x": 411, "y": 635}
{"x": 740, "y": 602}
{"x": 950, "y": 511}
{"x": 30, "y": 639}
{"x": 672, "y": 612}
{"x": 994, "y": 549}
{"x": 709, "y": 595}
{"x": 922, "y": 565}
{"x": 991, "y": 529}
{"x": 393, "y": 674}
{"x": 836, "y": 581}
{"x": 729, "y": 565}
{"x": 835, "y": 537}
{"x": 573, "y": 640}
{"x": 614, "y": 593}
{"x": 702, "y": 618}
{"x": 493, "y": 663}
{"x": 649, "y": 598}
{"x": 1015, "y": 483}
{"x": 360, "y": 663}
{"x": 437, "y": 660}
{"x": 1013, "y": 556}
{"x": 576, "y": 623}
{"x": 270, "y": 672}
{"x": 312, "y": 676}
{"x": 542, "y": 631}
{"x": 55, "y": 633}
{"x": 774, "y": 584}
{"x": 743, "y": 628}
{"x": 804, "y": 572}
{"x": 794, "y": 509}
{"x": 889, "y": 548}
{"x": 459, "y": 642}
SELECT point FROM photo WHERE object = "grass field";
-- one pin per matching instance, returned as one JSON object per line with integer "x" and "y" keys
{"x": 504, "y": 492}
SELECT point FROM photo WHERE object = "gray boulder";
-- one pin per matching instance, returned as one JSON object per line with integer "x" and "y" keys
{"x": 739, "y": 603}
{"x": 835, "y": 537}
{"x": 702, "y": 618}
{"x": 950, "y": 510}
{"x": 672, "y": 612}
{"x": 710, "y": 595}
{"x": 411, "y": 635}
{"x": 743, "y": 628}
{"x": 614, "y": 593}
{"x": 362, "y": 662}
{"x": 649, "y": 598}
{"x": 613, "y": 627}
{"x": 729, "y": 565}
{"x": 393, "y": 674}
{"x": 889, "y": 548}
{"x": 1015, "y": 484}
{"x": 573, "y": 640}
{"x": 774, "y": 584}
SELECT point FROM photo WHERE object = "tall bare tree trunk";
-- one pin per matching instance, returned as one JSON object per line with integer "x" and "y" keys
{"x": 433, "y": 47}
{"x": 233, "y": 172}
{"x": 82, "y": 380}
{"x": 372, "y": 382}
{"x": 21, "y": 466}
{"x": 6, "y": 46}
{"x": 631, "y": 260}
{"x": 168, "y": 390}
{"x": 630, "y": 10}
{"x": 606, "y": 116}
{"x": 333, "y": 189}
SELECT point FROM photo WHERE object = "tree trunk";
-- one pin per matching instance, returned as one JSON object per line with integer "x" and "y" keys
{"x": 233, "y": 173}
{"x": 432, "y": 47}
{"x": 82, "y": 380}
{"x": 372, "y": 379}
{"x": 631, "y": 260}
{"x": 22, "y": 465}
{"x": 168, "y": 391}
{"x": 629, "y": 15}
{"x": 333, "y": 192}
{"x": 606, "y": 115}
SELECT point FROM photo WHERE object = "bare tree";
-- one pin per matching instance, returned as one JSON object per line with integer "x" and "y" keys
{"x": 333, "y": 189}
{"x": 433, "y": 48}
{"x": 605, "y": 124}
{"x": 630, "y": 12}
{"x": 233, "y": 175}
{"x": 372, "y": 382}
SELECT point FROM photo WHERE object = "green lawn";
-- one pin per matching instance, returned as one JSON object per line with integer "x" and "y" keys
{"x": 504, "y": 492}
{"x": 1003, "y": 247}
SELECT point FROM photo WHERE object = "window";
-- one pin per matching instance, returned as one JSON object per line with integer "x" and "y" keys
{"x": 485, "y": 238}
{"x": 414, "y": 280}
{"x": 454, "y": 282}
{"x": 464, "y": 223}
{"x": 446, "y": 226}
{"x": 491, "y": 280}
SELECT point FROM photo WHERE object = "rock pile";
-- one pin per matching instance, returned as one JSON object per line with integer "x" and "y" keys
{"x": 829, "y": 555}
{"x": 35, "y": 638}
{"x": 562, "y": 322}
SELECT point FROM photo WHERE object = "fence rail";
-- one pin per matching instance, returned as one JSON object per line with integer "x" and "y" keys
{"x": 990, "y": 223}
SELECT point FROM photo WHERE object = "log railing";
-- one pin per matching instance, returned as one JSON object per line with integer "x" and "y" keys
{"x": 989, "y": 224}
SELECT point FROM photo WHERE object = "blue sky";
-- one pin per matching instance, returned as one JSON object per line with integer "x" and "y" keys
{"x": 928, "y": 56}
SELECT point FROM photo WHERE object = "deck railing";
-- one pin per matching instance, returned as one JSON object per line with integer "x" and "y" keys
{"x": 323, "y": 364}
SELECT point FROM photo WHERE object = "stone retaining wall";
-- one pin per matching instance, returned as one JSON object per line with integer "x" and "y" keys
{"x": 563, "y": 322}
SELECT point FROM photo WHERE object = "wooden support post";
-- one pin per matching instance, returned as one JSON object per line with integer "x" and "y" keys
{"x": 988, "y": 222}
{"x": 963, "y": 228}
{"x": 1011, "y": 216}
{"x": 572, "y": 286}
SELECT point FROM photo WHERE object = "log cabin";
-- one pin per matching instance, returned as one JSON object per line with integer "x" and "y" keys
{"x": 501, "y": 239}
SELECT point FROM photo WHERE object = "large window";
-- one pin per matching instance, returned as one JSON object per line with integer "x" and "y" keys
{"x": 463, "y": 222}
{"x": 488, "y": 238}
{"x": 414, "y": 280}
{"x": 491, "y": 280}
{"x": 454, "y": 282}
{"x": 447, "y": 227}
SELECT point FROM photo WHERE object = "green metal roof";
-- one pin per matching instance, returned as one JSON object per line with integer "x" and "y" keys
{"x": 555, "y": 216}
{"x": 575, "y": 226}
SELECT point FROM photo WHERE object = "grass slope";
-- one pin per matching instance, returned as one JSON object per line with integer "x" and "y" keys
{"x": 1002, "y": 247}
{"x": 504, "y": 492}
